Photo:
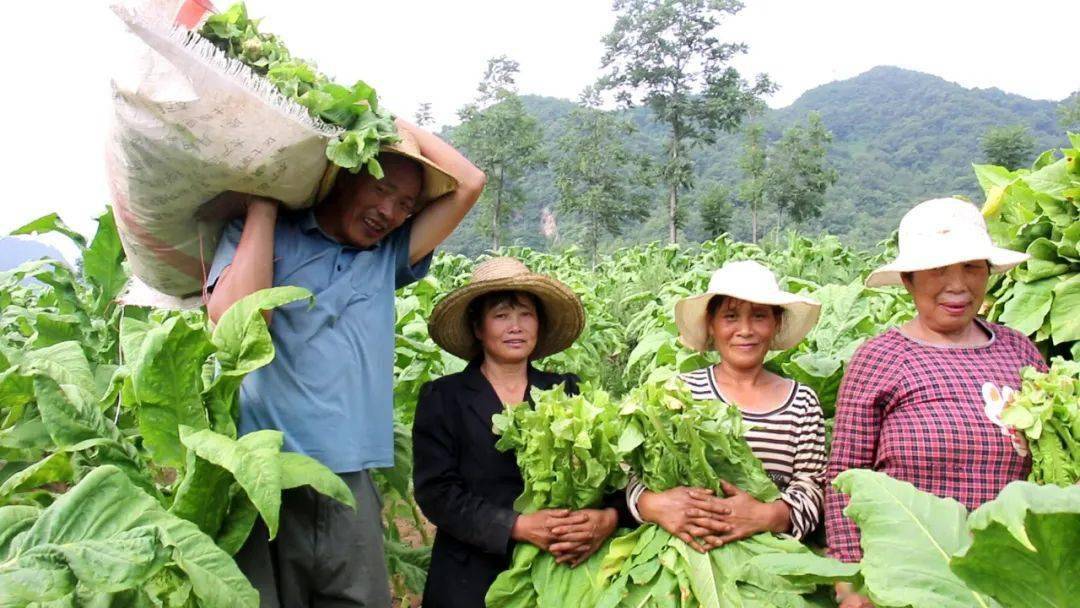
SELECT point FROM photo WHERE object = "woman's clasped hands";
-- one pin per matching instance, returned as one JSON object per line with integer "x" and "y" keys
{"x": 706, "y": 521}
{"x": 571, "y": 536}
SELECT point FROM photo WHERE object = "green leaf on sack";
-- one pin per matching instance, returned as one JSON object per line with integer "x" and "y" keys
{"x": 1023, "y": 552}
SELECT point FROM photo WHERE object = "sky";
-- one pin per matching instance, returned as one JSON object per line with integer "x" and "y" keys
{"x": 417, "y": 51}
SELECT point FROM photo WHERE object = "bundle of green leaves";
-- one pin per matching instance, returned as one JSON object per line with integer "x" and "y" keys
{"x": 1047, "y": 411}
{"x": 366, "y": 126}
{"x": 569, "y": 448}
{"x": 1038, "y": 211}
{"x": 685, "y": 442}
{"x": 923, "y": 551}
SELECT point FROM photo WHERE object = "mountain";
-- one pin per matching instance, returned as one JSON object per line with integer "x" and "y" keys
{"x": 15, "y": 251}
{"x": 899, "y": 137}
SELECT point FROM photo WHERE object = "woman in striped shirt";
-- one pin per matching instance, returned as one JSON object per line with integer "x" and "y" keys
{"x": 743, "y": 316}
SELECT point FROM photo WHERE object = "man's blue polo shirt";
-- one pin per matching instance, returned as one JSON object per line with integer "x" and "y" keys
{"x": 330, "y": 387}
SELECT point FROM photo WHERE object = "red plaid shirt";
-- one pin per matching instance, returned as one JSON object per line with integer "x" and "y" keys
{"x": 916, "y": 412}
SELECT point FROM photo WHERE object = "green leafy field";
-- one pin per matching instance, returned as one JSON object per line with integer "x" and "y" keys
{"x": 123, "y": 481}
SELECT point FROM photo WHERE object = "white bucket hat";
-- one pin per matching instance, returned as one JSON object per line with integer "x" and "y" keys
{"x": 752, "y": 282}
{"x": 942, "y": 232}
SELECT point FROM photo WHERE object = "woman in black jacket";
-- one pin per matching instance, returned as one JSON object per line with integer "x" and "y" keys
{"x": 501, "y": 321}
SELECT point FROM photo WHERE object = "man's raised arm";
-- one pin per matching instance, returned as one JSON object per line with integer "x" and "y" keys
{"x": 252, "y": 267}
{"x": 438, "y": 219}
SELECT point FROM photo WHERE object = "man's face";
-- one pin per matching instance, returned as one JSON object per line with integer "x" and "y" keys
{"x": 368, "y": 209}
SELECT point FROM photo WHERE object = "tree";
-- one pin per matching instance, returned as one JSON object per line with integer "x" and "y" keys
{"x": 598, "y": 179}
{"x": 1069, "y": 112}
{"x": 714, "y": 204}
{"x": 1009, "y": 147}
{"x": 423, "y": 117}
{"x": 666, "y": 54}
{"x": 502, "y": 139}
{"x": 752, "y": 163}
{"x": 798, "y": 173}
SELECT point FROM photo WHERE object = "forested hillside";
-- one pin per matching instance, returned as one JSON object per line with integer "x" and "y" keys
{"x": 898, "y": 137}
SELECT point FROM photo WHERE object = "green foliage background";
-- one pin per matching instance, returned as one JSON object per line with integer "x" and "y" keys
{"x": 899, "y": 137}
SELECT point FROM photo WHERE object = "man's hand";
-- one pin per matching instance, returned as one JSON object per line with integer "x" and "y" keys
{"x": 746, "y": 515}
{"x": 847, "y": 598}
{"x": 576, "y": 542}
{"x": 230, "y": 205}
{"x": 688, "y": 513}
{"x": 536, "y": 528}
{"x": 856, "y": 601}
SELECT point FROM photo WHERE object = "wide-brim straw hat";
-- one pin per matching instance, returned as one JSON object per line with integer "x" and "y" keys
{"x": 437, "y": 182}
{"x": 941, "y": 232}
{"x": 564, "y": 317}
{"x": 750, "y": 281}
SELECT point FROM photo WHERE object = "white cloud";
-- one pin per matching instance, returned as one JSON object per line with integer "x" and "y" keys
{"x": 56, "y": 113}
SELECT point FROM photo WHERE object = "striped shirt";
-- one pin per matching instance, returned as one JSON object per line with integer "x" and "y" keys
{"x": 790, "y": 442}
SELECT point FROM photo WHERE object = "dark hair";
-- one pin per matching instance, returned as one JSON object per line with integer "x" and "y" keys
{"x": 511, "y": 297}
{"x": 717, "y": 301}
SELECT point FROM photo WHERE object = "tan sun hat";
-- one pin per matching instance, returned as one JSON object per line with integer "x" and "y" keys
{"x": 437, "y": 181}
{"x": 564, "y": 317}
{"x": 941, "y": 232}
{"x": 750, "y": 281}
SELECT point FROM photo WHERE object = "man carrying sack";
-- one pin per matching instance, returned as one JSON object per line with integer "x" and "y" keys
{"x": 330, "y": 385}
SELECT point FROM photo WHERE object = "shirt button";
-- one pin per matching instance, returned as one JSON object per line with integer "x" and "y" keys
{"x": 339, "y": 267}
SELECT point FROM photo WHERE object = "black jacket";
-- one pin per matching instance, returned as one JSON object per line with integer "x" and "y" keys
{"x": 466, "y": 487}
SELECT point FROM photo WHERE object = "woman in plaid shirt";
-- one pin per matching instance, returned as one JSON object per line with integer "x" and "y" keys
{"x": 911, "y": 403}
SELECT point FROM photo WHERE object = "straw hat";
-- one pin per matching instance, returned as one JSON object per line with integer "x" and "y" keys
{"x": 564, "y": 318}
{"x": 942, "y": 232}
{"x": 752, "y": 282}
{"x": 437, "y": 181}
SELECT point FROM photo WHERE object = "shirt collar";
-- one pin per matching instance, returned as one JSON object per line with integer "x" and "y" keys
{"x": 309, "y": 224}
{"x": 475, "y": 379}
